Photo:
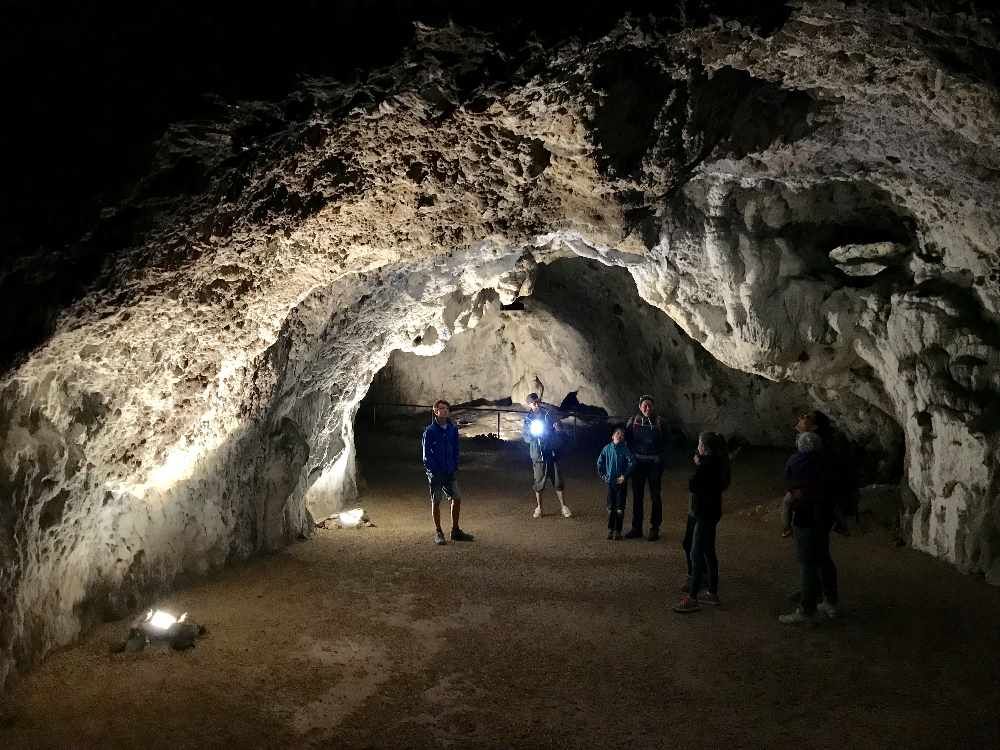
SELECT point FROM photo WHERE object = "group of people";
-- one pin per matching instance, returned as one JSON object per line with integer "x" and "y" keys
{"x": 813, "y": 505}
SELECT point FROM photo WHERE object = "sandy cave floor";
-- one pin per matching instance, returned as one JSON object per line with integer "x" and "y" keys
{"x": 538, "y": 634}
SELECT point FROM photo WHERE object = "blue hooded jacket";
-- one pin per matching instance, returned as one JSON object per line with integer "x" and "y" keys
{"x": 440, "y": 446}
{"x": 615, "y": 461}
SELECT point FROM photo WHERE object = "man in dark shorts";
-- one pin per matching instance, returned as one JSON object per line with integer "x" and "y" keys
{"x": 544, "y": 439}
{"x": 440, "y": 448}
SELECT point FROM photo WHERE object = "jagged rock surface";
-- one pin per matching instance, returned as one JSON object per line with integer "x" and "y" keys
{"x": 585, "y": 330}
{"x": 197, "y": 406}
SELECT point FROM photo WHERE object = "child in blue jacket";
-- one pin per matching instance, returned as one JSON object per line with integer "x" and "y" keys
{"x": 614, "y": 465}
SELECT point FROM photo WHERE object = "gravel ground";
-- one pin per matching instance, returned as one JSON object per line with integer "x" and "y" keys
{"x": 539, "y": 634}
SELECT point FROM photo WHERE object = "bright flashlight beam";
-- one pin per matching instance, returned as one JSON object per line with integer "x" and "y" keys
{"x": 537, "y": 427}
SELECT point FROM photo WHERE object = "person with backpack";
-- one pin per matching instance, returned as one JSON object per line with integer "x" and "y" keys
{"x": 807, "y": 480}
{"x": 646, "y": 433}
{"x": 841, "y": 464}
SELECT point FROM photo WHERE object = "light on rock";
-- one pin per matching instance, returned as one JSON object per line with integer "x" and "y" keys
{"x": 178, "y": 466}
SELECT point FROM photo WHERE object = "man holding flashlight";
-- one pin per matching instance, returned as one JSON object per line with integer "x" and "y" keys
{"x": 544, "y": 439}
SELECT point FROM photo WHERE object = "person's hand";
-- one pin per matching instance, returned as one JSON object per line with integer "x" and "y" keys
{"x": 697, "y": 459}
{"x": 620, "y": 480}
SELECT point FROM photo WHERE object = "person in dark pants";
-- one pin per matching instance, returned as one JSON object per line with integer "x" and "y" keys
{"x": 647, "y": 439}
{"x": 614, "y": 465}
{"x": 706, "y": 485}
{"x": 440, "y": 450}
{"x": 544, "y": 438}
{"x": 807, "y": 480}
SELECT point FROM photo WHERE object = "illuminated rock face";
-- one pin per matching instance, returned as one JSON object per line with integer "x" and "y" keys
{"x": 197, "y": 407}
{"x": 585, "y": 330}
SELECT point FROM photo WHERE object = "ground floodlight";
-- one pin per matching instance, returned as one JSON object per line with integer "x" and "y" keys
{"x": 163, "y": 620}
{"x": 351, "y": 518}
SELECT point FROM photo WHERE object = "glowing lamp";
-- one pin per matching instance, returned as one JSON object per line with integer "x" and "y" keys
{"x": 161, "y": 620}
{"x": 351, "y": 518}
{"x": 537, "y": 427}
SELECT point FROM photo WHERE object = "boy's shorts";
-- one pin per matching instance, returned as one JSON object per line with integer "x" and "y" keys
{"x": 441, "y": 486}
{"x": 544, "y": 472}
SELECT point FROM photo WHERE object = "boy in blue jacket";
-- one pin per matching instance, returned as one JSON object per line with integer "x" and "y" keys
{"x": 440, "y": 448}
{"x": 614, "y": 465}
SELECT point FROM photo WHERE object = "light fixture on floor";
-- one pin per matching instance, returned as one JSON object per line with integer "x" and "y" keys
{"x": 159, "y": 626}
{"x": 346, "y": 519}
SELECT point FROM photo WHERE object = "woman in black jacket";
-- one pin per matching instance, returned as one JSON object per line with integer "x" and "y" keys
{"x": 705, "y": 488}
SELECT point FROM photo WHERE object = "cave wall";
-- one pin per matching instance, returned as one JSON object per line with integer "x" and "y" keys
{"x": 813, "y": 203}
{"x": 584, "y": 329}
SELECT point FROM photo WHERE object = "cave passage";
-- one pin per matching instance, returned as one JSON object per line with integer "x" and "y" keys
{"x": 743, "y": 214}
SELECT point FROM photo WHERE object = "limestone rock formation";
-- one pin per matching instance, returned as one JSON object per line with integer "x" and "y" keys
{"x": 196, "y": 406}
{"x": 587, "y": 331}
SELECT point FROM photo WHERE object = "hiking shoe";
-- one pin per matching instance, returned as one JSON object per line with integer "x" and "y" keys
{"x": 654, "y": 534}
{"x": 785, "y": 533}
{"x": 634, "y": 534}
{"x": 439, "y": 537}
{"x": 567, "y": 513}
{"x": 828, "y": 609}
{"x": 611, "y": 535}
{"x": 618, "y": 536}
{"x": 796, "y": 618}
{"x": 707, "y": 597}
{"x": 538, "y": 512}
{"x": 457, "y": 535}
{"x": 687, "y": 604}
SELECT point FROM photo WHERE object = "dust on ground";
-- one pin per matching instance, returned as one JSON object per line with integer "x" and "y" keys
{"x": 540, "y": 634}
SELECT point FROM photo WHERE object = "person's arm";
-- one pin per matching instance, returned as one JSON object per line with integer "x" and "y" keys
{"x": 629, "y": 463}
{"x": 602, "y": 466}
{"x": 427, "y": 449}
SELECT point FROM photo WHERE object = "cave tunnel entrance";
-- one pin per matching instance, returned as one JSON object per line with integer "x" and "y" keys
{"x": 587, "y": 342}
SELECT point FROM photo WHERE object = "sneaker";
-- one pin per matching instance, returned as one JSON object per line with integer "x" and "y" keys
{"x": 796, "y": 618}
{"x": 618, "y": 536}
{"x": 538, "y": 512}
{"x": 457, "y": 535}
{"x": 707, "y": 597}
{"x": 567, "y": 513}
{"x": 828, "y": 609}
{"x": 654, "y": 534}
{"x": 687, "y": 604}
{"x": 439, "y": 537}
{"x": 785, "y": 533}
{"x": 634, "y": 533}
